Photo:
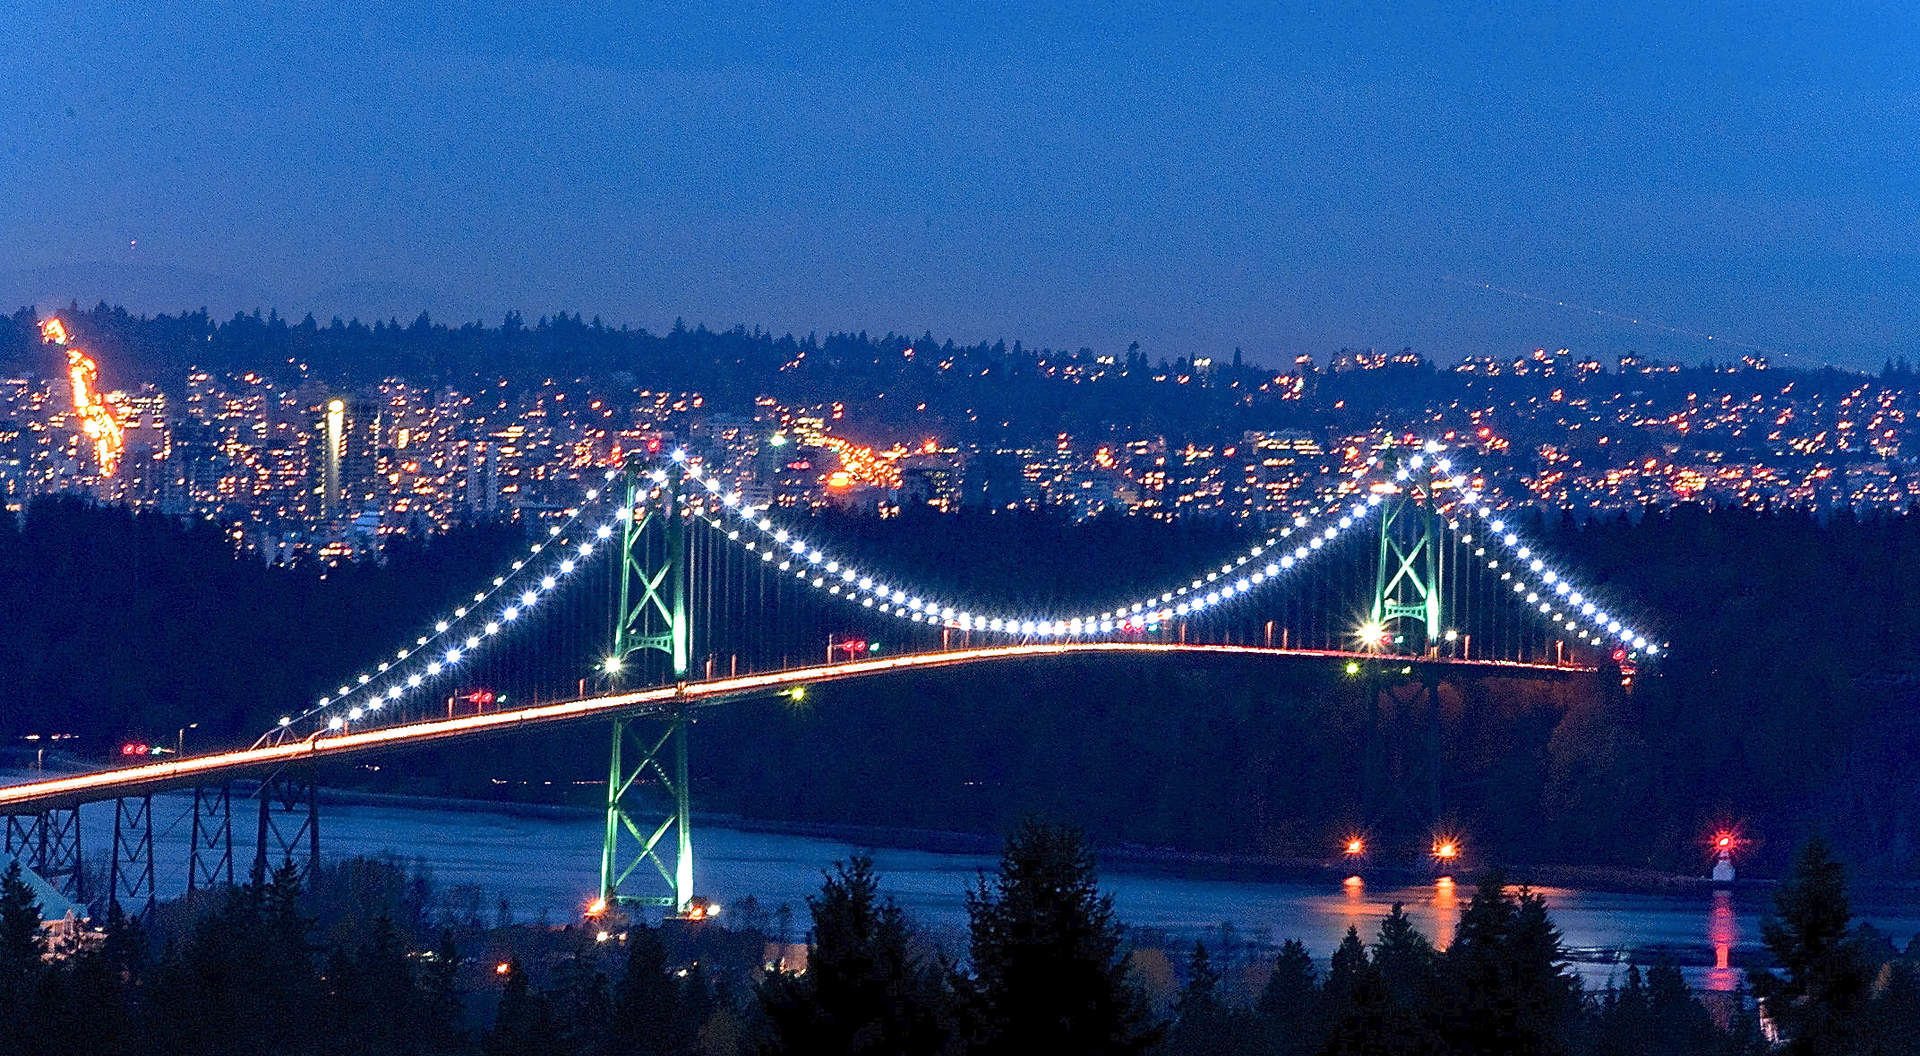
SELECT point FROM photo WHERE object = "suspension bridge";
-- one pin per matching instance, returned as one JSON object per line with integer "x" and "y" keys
{"x": 666, "y": 593}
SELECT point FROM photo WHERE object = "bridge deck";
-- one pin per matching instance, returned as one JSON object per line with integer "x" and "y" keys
{"x": 39, "y": 795}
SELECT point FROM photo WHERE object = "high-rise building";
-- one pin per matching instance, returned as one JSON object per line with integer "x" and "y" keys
{"x": 346, "y": 431}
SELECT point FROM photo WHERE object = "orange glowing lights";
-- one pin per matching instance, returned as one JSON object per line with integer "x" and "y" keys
{"x": 1446, "y": 849}
{"x": 860, "y": 464}
{"x": 98, "y": 422}
{"x": 503, "y": 968}
{"x": 1356, "y": 846}
{"x": 596, "y": 907}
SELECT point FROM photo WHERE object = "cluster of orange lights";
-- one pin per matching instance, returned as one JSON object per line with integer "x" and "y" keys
{"x": 860, "y": 464}
{"x": 98, "y": 421}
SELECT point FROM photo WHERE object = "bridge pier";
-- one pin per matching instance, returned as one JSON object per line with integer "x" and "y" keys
{"x": 130, "y": 871}
{"x": 289, "y": 832}
{"x": 210, "y": 858}
{"x": 617, "y": 865}
{"x": 49, "y": 844}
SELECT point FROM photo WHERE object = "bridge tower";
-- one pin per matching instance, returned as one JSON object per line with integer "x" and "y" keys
{"x": 1407, "y": 617}
{"x": 1406, "y": 585}
{"x": 651, "y": 615}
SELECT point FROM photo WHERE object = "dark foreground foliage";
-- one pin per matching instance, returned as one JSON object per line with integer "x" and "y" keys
{"x": 272, "y": 969}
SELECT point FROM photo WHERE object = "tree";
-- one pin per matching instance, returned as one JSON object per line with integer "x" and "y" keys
{"x": 651, "y": 1016}
{"x": 1356, "y": 1002}
{"x": 1817, "y": 999}
{"x": 1290, "y": 1008}
{"x": 1507, "y": 987}
{"x": 863, "y": 991}
{"x": 20, "y": 941}
{"x": 1048, "y": 971}
{"x": 1203, "y": 1023}
{"x": 523, "y": 1026}
{"x": 1405, "y": 960}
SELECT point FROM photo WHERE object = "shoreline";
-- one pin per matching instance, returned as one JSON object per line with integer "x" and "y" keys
{"x": 1131, "y": 858}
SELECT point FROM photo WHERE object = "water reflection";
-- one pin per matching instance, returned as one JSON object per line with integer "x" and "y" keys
{"x": 1446, "y": 912}
{"x": 1722, "y": 932}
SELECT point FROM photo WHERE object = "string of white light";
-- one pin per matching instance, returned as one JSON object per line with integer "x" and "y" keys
{"x": 457, "y": 635}
{"x": 1544, "y": 588}
{"x": 788, "y": 551}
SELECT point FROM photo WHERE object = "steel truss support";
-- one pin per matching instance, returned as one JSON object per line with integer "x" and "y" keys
{"x": 652, "y": 616}
{"x": 289, "y": 825}
{"x": 1406, "y": 583}
{"x": 210, "y": 859}
{"x": 49, "y": 844}
{"x": 616, "y": 864}
{"x": 130, "y": 873}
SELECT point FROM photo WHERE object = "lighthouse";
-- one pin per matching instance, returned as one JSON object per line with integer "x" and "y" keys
{"x": 1723, "y": 857}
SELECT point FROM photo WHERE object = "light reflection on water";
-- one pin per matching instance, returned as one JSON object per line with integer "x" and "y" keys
{"x": 548, "y": 864}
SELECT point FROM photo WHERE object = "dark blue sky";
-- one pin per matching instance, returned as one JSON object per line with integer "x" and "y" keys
{"x": 1282, "y": 180}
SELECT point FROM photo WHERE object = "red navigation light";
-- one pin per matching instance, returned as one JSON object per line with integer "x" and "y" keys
{"x": 479, "y": 696}
{"x": 1619, "y": 656}
{"x": 136, "y": 748}
{"x": 653, "y": 445}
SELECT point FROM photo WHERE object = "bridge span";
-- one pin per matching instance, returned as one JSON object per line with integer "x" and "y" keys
{"x": 62, "y": 792}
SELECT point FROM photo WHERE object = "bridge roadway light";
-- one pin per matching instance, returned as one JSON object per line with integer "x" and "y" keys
{"x": 611, "y": 665}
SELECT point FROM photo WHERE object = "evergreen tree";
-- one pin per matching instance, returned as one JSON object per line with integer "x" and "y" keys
{"x": 1049, "y": 974}
{"x": 21, "y": 945}
{"x": 1204, "y": 1025}
{"x": 583, "y": 1008}
{"x": 1290, "y": 1008}
{"x": 1405, "y": 960}
{"x": 1817, "y": 999}
{"x": 863, "y": 991}
{"x": 523, "y": 1026}
{"x": 1507, "y": 988}
{"x": 651, "y": 1016}
{"x": 440, "y": 1014}
{"x": 1356, "y": 1002}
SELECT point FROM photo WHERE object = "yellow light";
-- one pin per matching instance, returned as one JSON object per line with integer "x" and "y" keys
{"x": 336, "y": 406}
{"x": 1446, "y": 850}
{"x": 596, "y": 907}
{"x": 1356, "y": 846}
{"x": 502, "y": 968}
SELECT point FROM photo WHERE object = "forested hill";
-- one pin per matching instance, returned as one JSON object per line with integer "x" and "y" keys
{"x": 1788, "y": 702}
{"x": 978, "y": 391}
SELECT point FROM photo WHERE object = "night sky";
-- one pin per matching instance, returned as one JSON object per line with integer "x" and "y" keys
{"x": 1282, "y": 180}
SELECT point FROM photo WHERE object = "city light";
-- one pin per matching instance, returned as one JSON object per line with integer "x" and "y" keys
{"x": 1356, "y": 846}
{"x": 99, "y": 423}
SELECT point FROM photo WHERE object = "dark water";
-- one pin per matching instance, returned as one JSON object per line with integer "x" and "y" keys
{"x": 548, "y": 867}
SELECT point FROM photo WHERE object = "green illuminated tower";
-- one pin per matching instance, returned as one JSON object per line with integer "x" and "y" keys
{"x": 652, "y": 615}
{"x": 1406, "y": 583}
